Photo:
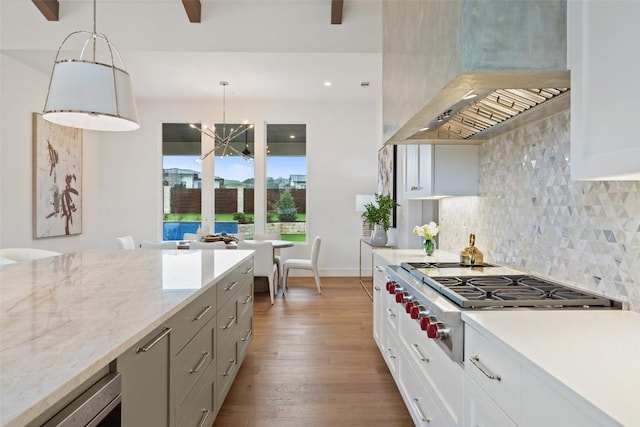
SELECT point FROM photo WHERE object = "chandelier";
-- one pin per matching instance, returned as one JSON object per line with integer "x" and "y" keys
{"x": 222, "y": 142}
{"x": 88, "y": 93}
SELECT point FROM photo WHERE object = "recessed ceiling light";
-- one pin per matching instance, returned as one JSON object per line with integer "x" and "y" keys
{"x": 292, "y": 136}
{"x": 327, "y": 83}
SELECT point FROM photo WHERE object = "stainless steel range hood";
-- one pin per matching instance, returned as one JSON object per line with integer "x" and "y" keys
{"x": 488, "y": 66}
{"x": 478, "y": 106}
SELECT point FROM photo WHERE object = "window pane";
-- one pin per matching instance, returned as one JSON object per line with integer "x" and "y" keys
{"x": 234, "y": 181}
{"x": 287, "y": 181}
{"x": 182, "y": 180}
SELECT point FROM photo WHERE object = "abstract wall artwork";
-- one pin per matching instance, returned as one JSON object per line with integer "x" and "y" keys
{"x": 387, "y": 175}
{"x": 57, "y": 179}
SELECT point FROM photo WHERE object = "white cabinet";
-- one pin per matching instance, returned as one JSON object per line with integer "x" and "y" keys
{"x": 433, "y": 171}
{"x": 604, "y": 59}
{"x": 501, "y": 389}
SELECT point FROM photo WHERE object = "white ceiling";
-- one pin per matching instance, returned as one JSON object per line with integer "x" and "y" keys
{"x": 266, "y": 49}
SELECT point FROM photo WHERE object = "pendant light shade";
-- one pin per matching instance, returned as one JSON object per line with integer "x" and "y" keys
{"x": 89, "y": 93}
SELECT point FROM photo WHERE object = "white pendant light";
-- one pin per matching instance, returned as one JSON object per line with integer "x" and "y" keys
{"x": 88, "y": 94}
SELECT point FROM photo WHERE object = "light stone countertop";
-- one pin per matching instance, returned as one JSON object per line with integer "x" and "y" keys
{"x": 64, "y": 318}
{"x": 593, "y": 353}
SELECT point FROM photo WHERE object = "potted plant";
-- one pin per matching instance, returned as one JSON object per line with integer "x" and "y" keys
{"x": 378, "y": 215}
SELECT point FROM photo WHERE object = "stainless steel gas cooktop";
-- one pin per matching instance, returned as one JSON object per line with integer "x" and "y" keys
{"x": 491, "y": 286}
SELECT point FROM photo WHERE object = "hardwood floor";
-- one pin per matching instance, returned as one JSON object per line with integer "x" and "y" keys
{"x": 313, "y": 362}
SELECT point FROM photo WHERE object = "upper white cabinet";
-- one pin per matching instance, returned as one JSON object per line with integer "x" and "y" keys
{"x": 434, "y": 171}
{"x": 604, "y": 58}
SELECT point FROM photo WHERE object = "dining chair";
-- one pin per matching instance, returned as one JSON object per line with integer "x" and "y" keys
{"x": 191, "y": 236}
{"x": 150, "y": 244}
{"x": 207, "y": 245}
{"x": 126, "y": 242}
{"x": 26, "y": 254}
{"x": 276, "y": 252}
{"x": 263, "y": 264}
{"x": 303, "y": 264}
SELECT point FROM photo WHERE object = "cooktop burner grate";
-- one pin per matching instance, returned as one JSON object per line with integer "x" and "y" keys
{"x": 509, "y": 291}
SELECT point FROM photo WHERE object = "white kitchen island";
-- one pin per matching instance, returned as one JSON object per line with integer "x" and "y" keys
{"x": 65, "y": 318}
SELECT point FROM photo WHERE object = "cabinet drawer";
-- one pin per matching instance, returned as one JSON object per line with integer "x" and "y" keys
{"x": 191, "y": 319}
{"x": 494, "y": 371}
{"x": 420, "y": 403}
{"x": 390, "y": 350}
{"x": 193, "y": 361}
{"x": 200, "y": 407}
{"x": 227, "y": 323}
{"x": 480, "y": 410}
{"x": 228, "y": 285}
{"x": 245, "y": 300}
{"x": 226, "y": 367}
{"x": 444, "y": 376}
{"x": 245, "y": 337}
{"x": 392, "y": 311}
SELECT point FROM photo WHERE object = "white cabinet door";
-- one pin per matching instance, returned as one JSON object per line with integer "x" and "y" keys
{"x": 480, "y": 410}
{"x": 604, "y": 58}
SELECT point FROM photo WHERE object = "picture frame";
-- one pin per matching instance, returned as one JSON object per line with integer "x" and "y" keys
{"x": 57, "y": 179}
{"x": 387, "y": 161}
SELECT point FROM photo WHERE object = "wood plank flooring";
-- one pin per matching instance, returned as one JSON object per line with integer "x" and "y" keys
{"x": 313, "y": 363}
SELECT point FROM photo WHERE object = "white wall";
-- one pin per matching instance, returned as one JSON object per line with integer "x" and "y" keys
{"x": 122, "y": 171}
{"x": 23, "y": 91}
{"x": 341, "y": 162}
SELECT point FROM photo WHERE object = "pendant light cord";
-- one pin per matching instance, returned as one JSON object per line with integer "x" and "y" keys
{"x": 94, "y": 31}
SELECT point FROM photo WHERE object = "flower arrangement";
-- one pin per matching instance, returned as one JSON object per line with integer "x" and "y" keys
{"x": 428, "y": 231}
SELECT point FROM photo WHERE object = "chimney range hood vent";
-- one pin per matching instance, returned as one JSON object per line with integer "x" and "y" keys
{"x": 469, "y": 70}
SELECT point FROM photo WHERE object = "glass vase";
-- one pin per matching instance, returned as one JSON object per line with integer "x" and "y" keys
{"x": 429, "y": 246}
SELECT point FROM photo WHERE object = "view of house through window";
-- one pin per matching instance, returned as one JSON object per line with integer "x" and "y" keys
{"x": 234, "y": 183}
{"x": 287, "y": 181}
{"x": 181, "y": 180}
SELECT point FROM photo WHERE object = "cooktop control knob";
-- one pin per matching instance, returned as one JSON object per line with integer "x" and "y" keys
{"x": 426, "y": 321}
{"x": 402, "y": 297}
{"x": 395, "y": 288}
{"x": 410, "y": 306}
{"x": 438, "y": 330}
{"x": 418, "y": 311}
{"x": 389, "y": 284}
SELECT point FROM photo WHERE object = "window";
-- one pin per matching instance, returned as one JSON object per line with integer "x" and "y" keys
{"x": 286, "y": 170}
{"x": 234, "y": 184}
{"x": 181, "y": 180}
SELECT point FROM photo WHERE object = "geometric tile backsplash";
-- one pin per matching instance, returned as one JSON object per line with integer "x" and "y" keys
{"x": 532, "y": 217}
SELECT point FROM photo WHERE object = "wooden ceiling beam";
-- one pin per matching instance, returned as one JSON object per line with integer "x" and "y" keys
{"x": 336, "y": 11}
{"x": 49, "y": 8}
{"x": 193, "y": 9}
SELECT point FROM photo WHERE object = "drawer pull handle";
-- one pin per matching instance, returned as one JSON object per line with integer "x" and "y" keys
{"x": 249, "y": 270}
{"x": 203, "y": 418}
{"x": 231, "y": 286}
{"x": 416, "y": 404}
{"x": 200, "y": 315}
{"x": 378, "y": 268}
{"x": 377, "y": 288}
{"x": 391, "y": 355}
{"x": 421, "y": 356}
{"x": 148, "y": 346}
{"x": 476, "y": 361}
{"x": 232, "y": 364}
{"x": 231, "y": 320}
{"x": 392, "y": 312}
{"x": 246, "y": 337}
{"x": 249, "y": 298}
{"x": 200, "y": 363}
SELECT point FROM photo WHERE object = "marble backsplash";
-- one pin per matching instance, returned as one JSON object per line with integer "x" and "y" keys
{"x": 532, "y": 217}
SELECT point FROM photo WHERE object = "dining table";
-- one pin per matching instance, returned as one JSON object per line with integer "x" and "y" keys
{"x": 277, "y": 244}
